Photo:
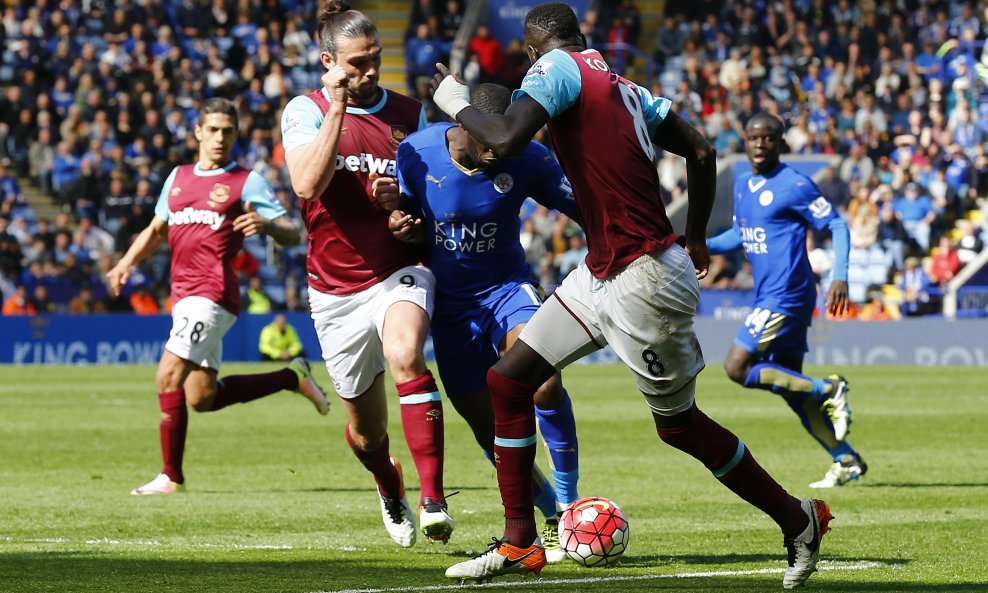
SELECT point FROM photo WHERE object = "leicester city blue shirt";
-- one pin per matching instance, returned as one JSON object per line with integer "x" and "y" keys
{"x": 471, "y": 216}
{"x": 771, "y": 214}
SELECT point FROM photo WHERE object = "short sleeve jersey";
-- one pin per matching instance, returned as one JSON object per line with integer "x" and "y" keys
{"x": 471, "y": 216}
{"x": 772, "y": 214}
{"x": 200, "y": 207}
{"x": 350, "y": 247}
{"x": 601, "y": 127}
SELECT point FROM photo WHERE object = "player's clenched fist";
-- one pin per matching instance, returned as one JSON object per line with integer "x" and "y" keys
{"x": 385, "y": 191}
{"x": 335, "y": 81}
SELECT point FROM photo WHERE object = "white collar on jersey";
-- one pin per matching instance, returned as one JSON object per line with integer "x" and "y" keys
{"x": 361, "y": 110}
{"x": 212, "y": 172}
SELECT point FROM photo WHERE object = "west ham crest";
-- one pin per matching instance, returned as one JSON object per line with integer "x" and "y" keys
{"x": 398, "y": 134}
{"x": 218, "y": 195}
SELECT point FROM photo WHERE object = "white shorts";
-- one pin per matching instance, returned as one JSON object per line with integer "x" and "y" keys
{"x": 350, "y": 326}
{"x": 198, "y": 327}
{"x": 645, "y": 312}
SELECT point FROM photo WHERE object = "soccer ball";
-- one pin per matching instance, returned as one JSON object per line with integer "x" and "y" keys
{"x": 594, "y": 531}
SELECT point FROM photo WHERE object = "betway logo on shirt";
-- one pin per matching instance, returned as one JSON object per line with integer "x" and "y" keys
{"x": 189, "y": 215}
{"x": 365, "y": 163}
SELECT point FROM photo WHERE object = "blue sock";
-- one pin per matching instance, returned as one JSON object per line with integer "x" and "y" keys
{"x": 558, "y": 429}
{"x": 817, "y": 423}
{"x": 782, "y": 381}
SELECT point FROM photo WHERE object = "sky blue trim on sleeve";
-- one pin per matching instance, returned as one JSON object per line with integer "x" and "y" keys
{"x": 655, "y": 109}
{"x": 515, "y": 443}
{"x": 554, "y": 81}
{"x": 842, "y": 247}
{"x": 258, "y": 192}
{"x": 733, "y": 463}
{"x": 300, "y": 122}
{"x": 161, "y": 208}
{"x": 420, "y": 398}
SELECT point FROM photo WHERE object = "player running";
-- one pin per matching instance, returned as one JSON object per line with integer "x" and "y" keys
{"x": 205, "y": 210}
{"x": 464, "y": 205}
{"x": 637, "y": 289}
{"x": 774, "y": 206}
{"x": 369, "y": 296}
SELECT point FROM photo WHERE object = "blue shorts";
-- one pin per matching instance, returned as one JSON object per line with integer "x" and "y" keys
{"x": 467, "y": 333}
{"x": 771, "y": 334}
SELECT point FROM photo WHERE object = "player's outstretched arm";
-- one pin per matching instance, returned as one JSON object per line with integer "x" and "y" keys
{"x": 507, "y": 135}
{"x": 837, "y": 294}
{"x": 143, "y": 246}
{"x": 678, "y": 137}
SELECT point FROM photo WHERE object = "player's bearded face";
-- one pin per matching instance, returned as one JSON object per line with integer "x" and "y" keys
{"x": 361, "y": 59}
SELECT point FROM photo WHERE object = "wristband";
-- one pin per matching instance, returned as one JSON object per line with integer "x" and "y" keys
{"x": 452, "y": 96}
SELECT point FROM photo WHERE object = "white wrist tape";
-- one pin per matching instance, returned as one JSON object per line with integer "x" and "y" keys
{"x": 452, "y": 96}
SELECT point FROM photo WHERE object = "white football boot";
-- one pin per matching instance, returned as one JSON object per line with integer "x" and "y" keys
{"x": 847, "y": 468}
{"x": 554, "y": 552}
{"x": 435, "y": 521}
{"x": 397, "y": 513}
{"x": 161, "y": 484}
{"x": 804, "y": 549}
{"x": 502, "y": 558}
{"x": 837, "y": 408}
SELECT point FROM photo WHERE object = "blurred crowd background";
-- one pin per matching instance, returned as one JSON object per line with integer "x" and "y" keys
{"x": 99, "y": 100}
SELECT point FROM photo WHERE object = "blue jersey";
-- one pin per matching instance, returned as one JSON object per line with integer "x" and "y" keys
{"x": 471, "y": 216}
{"x": 771, "y": 215}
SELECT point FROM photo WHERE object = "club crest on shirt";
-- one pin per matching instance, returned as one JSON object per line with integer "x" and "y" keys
{"x": 175, "y": 191}
{"x": 218, "y": 195}
{"x": 503, "y": 183}
{"x": 766, "y": 197}
{"x": 398, "y": 134}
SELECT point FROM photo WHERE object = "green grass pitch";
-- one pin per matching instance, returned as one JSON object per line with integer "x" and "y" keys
{"x": 276, "y": 502}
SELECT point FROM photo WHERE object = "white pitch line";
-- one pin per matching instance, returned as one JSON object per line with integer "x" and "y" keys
{"x": 174, "y": 545}
{"x": 611, "y": 579}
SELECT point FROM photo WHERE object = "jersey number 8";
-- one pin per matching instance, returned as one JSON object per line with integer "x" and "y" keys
{"x": 633, "y": 102}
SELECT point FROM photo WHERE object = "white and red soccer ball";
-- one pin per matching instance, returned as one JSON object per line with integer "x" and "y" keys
{"x": 594, "y": 531}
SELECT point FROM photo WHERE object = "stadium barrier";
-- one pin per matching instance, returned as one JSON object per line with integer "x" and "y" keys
{"x": 133, "y": 339}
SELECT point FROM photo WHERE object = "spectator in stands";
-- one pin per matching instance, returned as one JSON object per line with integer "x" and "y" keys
{"x": 41, "y": 159}
{"x": 19, "y": 303}
{"x": 892, "y": 235}
{"x": 969, "y": 245}
{"x": 857, "y": 166}
{"x": 576, "y": 253}
{"x": 875, "y": 308}
{"x": 42, "y": 304}
{"x": 915, "y": 286}
{"x": 142, "y": 302}
{"x": 945, "y": 262}
{"x": 916, "y": 213}
{"x": 279, "y": 340}
{"x": 422, "y": 52}
{"x": 256, "y": 301}
{"x": 451, "y": 20}
{"x": 490, "y": 54}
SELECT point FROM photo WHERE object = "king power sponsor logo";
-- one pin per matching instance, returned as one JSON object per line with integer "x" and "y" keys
{"x": 189, "y": 215}
{"x": 365, "y": 163}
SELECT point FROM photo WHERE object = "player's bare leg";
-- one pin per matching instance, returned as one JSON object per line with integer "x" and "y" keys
{"x": 367, "y": 435}
{"x": 406, "y": 326}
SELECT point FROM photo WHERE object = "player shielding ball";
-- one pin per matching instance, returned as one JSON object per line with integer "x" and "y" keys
{"x": 774, "y": 207}
{"x": 205, "y": 210}
{"x": 369, "y": 296}
{"x": 637, "y": 289}
{"x": 463, "y": 202}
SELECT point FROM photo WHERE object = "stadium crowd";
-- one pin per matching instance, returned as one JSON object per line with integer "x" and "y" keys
{"x": 99, "y": 100}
